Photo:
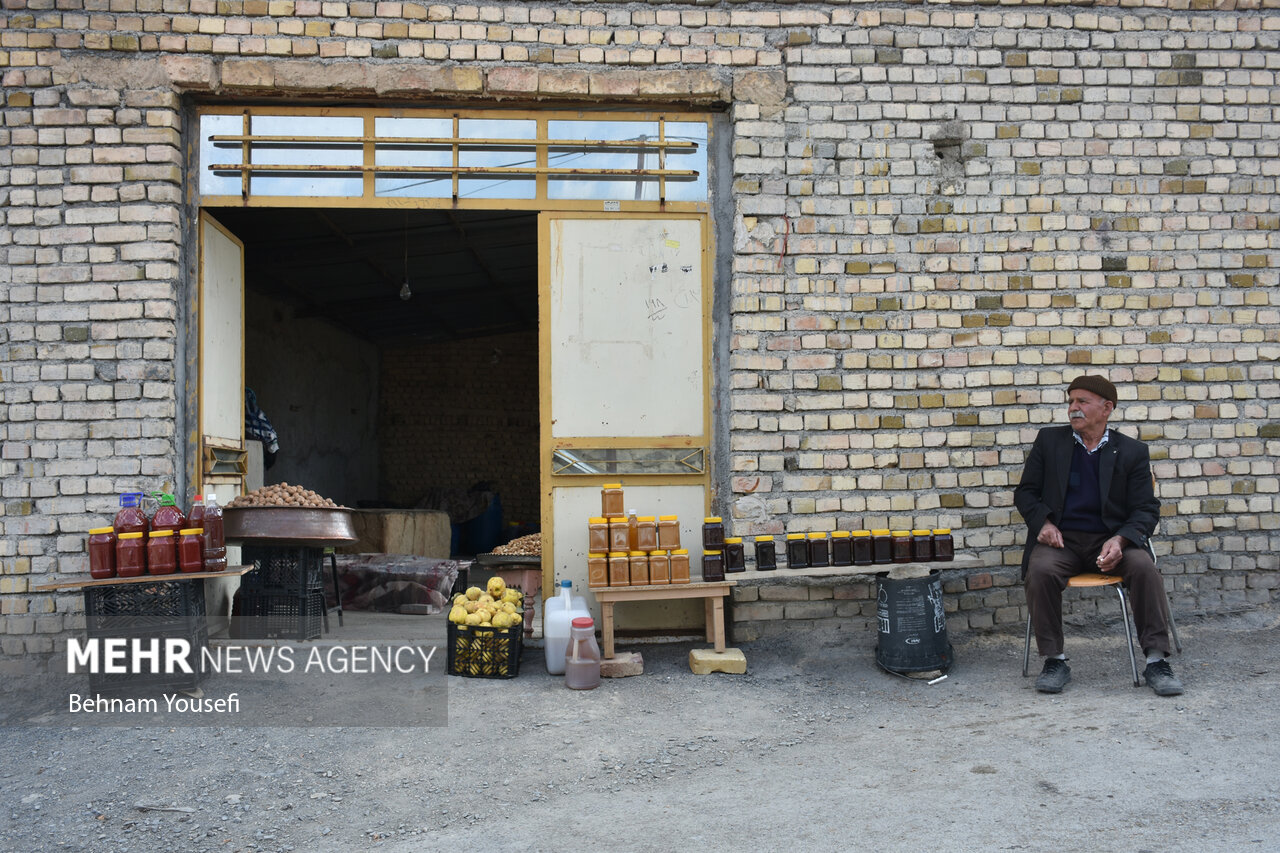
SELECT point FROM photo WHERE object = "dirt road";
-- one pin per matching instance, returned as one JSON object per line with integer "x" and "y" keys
{"x": 813, "y": 749}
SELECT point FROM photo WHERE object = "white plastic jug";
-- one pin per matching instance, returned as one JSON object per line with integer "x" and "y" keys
{"x": 558, "y": 616}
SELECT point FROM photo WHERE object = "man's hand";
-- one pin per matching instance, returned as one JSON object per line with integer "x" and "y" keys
{"x": 1109, "y": 556}
{"x": 1050, "y": 535}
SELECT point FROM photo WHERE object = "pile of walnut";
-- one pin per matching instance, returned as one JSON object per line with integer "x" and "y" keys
{"x": 282, "y": 494}
{"x": 524, "y": 546}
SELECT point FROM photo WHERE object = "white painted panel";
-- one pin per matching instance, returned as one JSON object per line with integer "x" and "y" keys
{"x": 573, "y": 506}
{"x": 221, "y": 332}
{"x": 626, "y": 327}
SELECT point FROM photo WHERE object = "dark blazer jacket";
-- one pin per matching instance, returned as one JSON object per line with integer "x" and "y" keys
{"x": 1129, "y": 504}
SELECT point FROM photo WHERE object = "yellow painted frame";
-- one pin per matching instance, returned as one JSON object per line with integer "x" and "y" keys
{"x": 547, "y": 443}
{"x": 540, "y": 202}
{"x": 548, "y": 208}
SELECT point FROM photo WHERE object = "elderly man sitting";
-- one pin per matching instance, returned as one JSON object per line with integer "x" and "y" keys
{"x": 1088, "y": 500}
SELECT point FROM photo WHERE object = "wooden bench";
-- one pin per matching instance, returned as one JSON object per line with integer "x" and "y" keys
{"x": 713, "y": 592}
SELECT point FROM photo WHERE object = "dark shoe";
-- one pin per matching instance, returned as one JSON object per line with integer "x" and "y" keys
{"x": 1160, "y": 678}
{"x": 1054, "y": 676}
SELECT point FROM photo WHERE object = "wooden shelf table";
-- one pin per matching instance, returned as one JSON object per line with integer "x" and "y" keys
{"x": 712, "y": 591}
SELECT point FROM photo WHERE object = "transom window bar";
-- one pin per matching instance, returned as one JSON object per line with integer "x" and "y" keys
{"x": 452, "y": 156}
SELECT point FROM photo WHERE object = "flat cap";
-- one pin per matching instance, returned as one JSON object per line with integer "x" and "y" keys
{"x": 1097, "y": 385}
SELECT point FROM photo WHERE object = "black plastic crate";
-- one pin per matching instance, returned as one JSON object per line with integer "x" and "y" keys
{"x": 161, "y": 610}
{"x": 197, "y": 636}
{"x": 268, "y": 615}
{"x": 283, "y": 569}
{"x": 477, "y": 652}
{"x": 157, "y": 606}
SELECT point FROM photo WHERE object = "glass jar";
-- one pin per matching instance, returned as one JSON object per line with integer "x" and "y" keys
{"x": 668, "y": 532}
{"x": 766, "y": 554}
{"x": 597, "y": 570}
{"x": 861, "y": 540}
{"x": 680, "y": 565}
{"x": 611, "y": 500}
{"x": 659, "y": 567}
{"x": 646, "y": 533}
{"x": 735, "y": 555}
{"x": 797, "y": 551}
{"x": 131, "y": 555}
{"x": 921, "y": 546}
{"x": 881, "y": 547}
{"x": 619, "y": 568}
{"x": 619, "y": 533}
{"x": 162, "y": 553}
{"x": 819, "y": 550}
{"x": 102, "y": 553}
{"x": 713, "y": 533}
{"x": 191, "y": 549}
{"x": 841, "y": 548}
{"x": 944, "y": 546}
{"x": 639, "y": 568}
{"x": 713, "y": 565}
{"x": 900, "y": 546}
{"x": 598, "y": 535}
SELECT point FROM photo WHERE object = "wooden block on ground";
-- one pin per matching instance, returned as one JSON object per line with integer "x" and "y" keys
{"x": 621, "y": 665}
{"x": 705, "y": 661}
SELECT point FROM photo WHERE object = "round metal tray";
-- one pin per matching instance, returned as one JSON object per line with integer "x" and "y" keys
{"x": 508, "y": 560}
{"x": 319, "y": 527}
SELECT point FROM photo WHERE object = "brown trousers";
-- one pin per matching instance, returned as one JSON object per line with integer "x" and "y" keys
{"x": 1050, "y": 568}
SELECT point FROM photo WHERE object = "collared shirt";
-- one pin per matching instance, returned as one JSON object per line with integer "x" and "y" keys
{"x": 1106, "y": 435}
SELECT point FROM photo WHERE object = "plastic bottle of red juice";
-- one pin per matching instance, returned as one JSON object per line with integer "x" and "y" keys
{"x": 131, "y": 518}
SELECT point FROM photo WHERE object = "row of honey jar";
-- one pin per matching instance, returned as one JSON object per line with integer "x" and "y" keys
{"x": 637, "y": 568}
{"x": 723, "y": 554}
{"x": 632, "y": 532}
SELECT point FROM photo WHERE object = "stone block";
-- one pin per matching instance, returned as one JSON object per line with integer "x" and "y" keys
{"x": 621, "y": 665}
{"x": 706, "y": 661}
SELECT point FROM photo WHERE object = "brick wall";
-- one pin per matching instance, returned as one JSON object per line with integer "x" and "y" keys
{"x": 455, "y": 414}
{"x": 939, "y": 213}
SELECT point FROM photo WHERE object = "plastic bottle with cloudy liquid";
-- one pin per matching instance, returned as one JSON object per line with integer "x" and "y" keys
{"x": 557, "y": 620}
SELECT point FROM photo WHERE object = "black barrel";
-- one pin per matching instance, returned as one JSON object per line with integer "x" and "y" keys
{"x": 912, "y": 625}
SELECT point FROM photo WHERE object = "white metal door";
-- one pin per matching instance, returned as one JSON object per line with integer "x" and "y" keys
{"x": 221, "y": 396}
{"x": 221, "y": 313}
{"x": 625, "y": 357}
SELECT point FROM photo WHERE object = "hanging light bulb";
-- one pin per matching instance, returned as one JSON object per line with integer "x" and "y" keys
{"x": 405, "y": 292}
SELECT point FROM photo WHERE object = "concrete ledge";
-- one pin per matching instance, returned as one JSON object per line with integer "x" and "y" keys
{"x": 706, "y": 661}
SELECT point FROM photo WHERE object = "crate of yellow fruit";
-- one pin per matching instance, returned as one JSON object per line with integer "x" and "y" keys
{"x": 486, "y": 631}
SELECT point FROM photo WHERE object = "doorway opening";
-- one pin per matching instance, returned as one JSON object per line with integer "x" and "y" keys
{"x": 395, "y": 353}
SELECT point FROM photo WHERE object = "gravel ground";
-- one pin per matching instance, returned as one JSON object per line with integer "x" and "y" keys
{"x": 814, "y": 748}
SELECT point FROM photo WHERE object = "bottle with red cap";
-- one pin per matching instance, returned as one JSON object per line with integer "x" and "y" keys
{"x": 582, "y": 655}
